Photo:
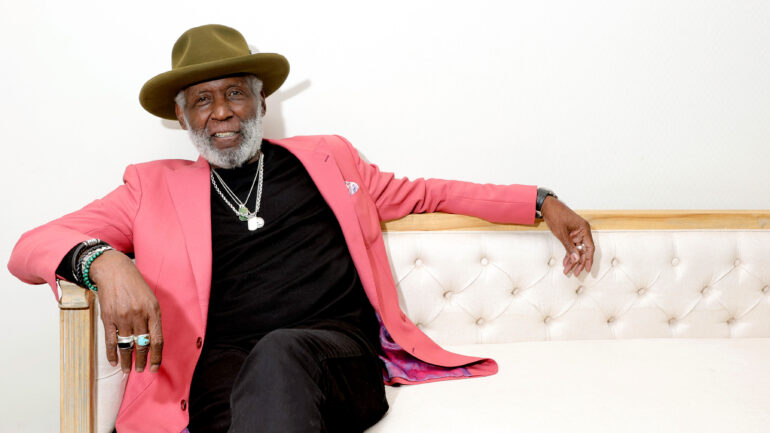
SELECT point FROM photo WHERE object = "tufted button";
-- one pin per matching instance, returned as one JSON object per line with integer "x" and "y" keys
{"x": 614, "y": 261}
{"x": 552, "y": 262}
{"x": 704, "y": 290}
{"x": 765, "y": 289}
{"x": 731, "y": 320}
{"x": 610, "y": 319}
{"x": 418, "y": 262}
{"x": 418, "y": 324}
{"x": 642, "y": 291}
{"x": 579, "y": 290}
{"x": 547, "y": 319}
{"x": 484, "y": 261}
{"x": 183, "y": 404}
{"x": 672, "y": 321}
{"x": 199, "y": 342}
{"x": 515, "y": 291}
{"x": 447, "y": 294}
{"x": 737, "y": 262}
{"x": 480, "y": 321}
{"x": 675, "y": 261}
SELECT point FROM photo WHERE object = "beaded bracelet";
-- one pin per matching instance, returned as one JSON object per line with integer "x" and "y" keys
{"x": 81, "y": 260}
{"x": 77, "y": 253}
{"x": 89, "y": 258}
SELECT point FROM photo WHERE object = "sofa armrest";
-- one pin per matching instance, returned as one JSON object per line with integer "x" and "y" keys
{"x": 77, "y": 350}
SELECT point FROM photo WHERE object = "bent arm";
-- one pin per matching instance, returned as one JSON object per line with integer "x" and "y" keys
{"x": 39, "y": 252}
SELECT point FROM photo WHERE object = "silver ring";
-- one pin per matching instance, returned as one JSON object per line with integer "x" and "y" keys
{"x": 580, "y": 247}
{"x": 122, "y": 339}
{"x": 125, "y": 342}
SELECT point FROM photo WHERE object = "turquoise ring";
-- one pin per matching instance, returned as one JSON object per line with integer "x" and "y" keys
{"x": 142, "y": 340}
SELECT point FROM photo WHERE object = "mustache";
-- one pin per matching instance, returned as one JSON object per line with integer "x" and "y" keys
{"x": 251, "y": 141}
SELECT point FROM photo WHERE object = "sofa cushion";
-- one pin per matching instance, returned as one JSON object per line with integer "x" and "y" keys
{"x": 645, "y": 385}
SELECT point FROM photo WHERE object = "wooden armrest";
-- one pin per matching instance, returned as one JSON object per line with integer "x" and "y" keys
{"x": 77, "y": 350}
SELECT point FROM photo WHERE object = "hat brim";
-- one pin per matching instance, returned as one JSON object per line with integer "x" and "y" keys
{"x": 157, "y": 94}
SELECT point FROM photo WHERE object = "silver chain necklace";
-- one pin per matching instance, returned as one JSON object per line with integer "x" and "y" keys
{"x": 244, "y": 214}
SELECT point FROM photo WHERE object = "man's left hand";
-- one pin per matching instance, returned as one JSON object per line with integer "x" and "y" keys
{"x": 573, "y": 232}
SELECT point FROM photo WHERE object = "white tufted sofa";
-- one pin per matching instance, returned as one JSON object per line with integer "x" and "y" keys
{"x": 669, "y": 333}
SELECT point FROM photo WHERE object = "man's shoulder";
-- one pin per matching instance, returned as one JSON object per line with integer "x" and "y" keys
{"x": 330, "y": 142}
{"x": 161, "y": 164}
{"x": 158, "y": 169}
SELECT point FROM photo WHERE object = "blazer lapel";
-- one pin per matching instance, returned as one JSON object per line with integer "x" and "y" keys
{"x": 324, "y": 171}
{"x": 189, "y": 189}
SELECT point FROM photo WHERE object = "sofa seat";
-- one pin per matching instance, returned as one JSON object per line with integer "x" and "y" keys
{"x": 634, "y": 385}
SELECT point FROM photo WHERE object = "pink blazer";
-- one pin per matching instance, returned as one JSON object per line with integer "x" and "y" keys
{"x": 162, "y": 214}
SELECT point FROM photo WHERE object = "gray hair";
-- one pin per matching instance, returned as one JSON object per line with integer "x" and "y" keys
{"x": 255, "y": 85}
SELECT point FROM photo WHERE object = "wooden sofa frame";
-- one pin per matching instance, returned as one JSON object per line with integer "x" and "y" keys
{"x": 77, "y": 311}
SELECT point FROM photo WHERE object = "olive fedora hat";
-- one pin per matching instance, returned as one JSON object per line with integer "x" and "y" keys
{"x": 205, "y": 53}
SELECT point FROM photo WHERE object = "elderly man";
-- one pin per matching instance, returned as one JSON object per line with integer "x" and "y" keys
{"x": 265, "y": 258}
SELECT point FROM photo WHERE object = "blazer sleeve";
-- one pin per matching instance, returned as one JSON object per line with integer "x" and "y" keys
{"x": 39, "y": 251}
{"x": 397, "y": 197}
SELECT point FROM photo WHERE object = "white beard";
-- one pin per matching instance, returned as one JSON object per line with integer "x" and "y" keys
{"x": 251, "y": 141}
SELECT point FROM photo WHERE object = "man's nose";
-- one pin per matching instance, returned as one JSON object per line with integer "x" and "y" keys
{"x": 222, "y": 110}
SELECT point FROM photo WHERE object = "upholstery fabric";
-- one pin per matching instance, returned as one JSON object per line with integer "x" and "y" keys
{"x": 500, "y": 287}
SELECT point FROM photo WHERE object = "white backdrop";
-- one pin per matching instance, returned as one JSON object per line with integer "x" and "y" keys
{"x": 614, "y": 104}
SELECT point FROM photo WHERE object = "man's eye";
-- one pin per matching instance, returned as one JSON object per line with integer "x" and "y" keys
{"x": 203, "y": 99}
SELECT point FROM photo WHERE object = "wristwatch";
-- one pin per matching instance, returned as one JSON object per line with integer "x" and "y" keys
{"x": 542, "y": 193}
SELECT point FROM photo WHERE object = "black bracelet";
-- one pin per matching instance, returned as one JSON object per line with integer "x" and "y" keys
{"x": 78, "y": 253}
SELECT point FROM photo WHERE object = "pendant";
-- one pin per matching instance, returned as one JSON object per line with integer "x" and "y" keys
{"x": 256, "y": 222}
{"x": 243, "y": 212}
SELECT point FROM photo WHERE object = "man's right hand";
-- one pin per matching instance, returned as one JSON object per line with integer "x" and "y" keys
{"x": 128, "y": 307}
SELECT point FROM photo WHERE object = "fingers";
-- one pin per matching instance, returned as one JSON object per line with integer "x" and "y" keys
{"x": 572, "y": 258}
{"x": 590, "y": 248}
{"x": 140, "y": 360}
{"x": 156, "y": 340}
{"x": 125, "y": 352}
{"x": 581, "y": 243}
{"x": 111, "y": 341}
{"x": 143, "y": 344}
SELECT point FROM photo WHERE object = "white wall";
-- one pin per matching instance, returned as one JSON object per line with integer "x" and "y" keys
{"x": 614, "y": 104}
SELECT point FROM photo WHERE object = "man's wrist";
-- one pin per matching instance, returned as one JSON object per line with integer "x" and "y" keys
{"x": 104, "y": 264}
{"x": 87, "y": 260}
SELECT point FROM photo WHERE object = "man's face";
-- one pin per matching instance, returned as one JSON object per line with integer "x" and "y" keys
{"x": 223, "y": 117}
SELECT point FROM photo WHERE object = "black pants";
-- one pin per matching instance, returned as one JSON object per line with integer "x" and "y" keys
{"x": 293, "y": 380}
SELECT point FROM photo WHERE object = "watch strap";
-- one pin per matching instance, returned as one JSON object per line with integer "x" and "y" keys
{"x": 542, "y": 193}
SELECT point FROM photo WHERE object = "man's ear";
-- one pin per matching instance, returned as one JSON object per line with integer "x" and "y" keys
{"x": 180, "y": 116}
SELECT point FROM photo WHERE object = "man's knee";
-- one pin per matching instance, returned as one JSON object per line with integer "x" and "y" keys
{"x": 284, "y": 351}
